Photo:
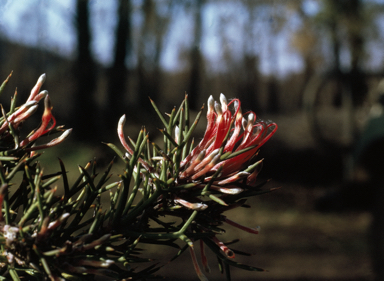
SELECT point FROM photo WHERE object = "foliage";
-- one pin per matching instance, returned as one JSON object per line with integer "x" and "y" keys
{"x": 71, "y": 236}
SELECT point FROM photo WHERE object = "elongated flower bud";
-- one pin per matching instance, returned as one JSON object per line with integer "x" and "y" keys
{"x": 37, "y": 87}
{"x": 224, "y": 102}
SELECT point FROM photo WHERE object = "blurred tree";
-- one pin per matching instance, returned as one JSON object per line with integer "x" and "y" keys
{"x": 118, "y": 73}
{"x": 196, "y": 59}
{"x": 346, "y": 26}
{"x": 248, "y": 81}
{"x": 249, "y": 78}
{"x": 84, "y": 73}
{"x": 307, "y": 42}
{"x": 344, "y": 23}
{"x": 153, "y": 30}
{"x": 356, "y": 22}
{"x": 347, "y": 16}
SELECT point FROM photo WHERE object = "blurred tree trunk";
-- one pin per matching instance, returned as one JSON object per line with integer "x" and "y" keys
{"x": 273, "y": 92}
{"x": 85, "y": 76}
{"x": 249, "y": 82}
{"x": 348, "y": 15}
{"x": 249, "y": 75}
{"x": 118, "y": 73}
{"x": 149, "y": 54}
{"x": 335, "y": 41}
{"x": 146, "y": 86}
{"x": 358, "y": 85}
{"x": 307, "y": 43}
{"x": 197, "y": 63}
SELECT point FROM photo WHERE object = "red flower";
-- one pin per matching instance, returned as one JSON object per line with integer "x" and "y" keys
{"x": 22, "y": 113}
{"x": 231, "y": 141}
{"x": 223, "y": 164}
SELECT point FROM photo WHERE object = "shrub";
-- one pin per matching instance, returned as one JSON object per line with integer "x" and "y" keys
{"x": 71, "y": 236}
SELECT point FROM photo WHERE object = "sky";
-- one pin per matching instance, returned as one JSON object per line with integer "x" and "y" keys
{"x": 49, "y": 24}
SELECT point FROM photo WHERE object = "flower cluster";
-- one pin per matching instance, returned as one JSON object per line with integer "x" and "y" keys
{"x": 213, "y": 177}
{"x": 11, "y": 122}
{"x": 230, "y": 143}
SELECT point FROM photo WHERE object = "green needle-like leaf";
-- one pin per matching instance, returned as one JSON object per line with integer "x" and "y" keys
{"x": 5, "y": 83}
{"x": 165, "y": 123}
